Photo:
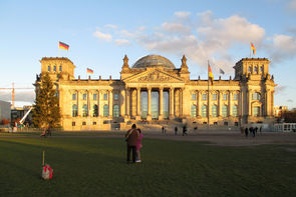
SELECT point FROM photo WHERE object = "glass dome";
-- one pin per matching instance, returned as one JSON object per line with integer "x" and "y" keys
{"x": 153, "y": 61}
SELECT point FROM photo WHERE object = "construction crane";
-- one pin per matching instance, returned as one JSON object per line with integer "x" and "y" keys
{"x": 13, "y": 93}
{"x": 25, "y": 116}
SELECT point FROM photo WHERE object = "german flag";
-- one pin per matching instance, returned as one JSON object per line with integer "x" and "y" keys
{"x": 63, "y": 46}
{"x": 211, "y": 76}
{"x": 253, "y": 49}
{"x": 89, "y": 71}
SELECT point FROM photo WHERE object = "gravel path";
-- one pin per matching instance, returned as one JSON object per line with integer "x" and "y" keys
{"x": 230, "y": 138}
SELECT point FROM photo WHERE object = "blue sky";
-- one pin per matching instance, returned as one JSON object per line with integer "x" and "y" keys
{"x": 101, "y": 32}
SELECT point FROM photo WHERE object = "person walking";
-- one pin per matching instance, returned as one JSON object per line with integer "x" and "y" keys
{"x": 131, "y": 138}
{"x": 139, "y": 145}
{"x": 184, "y": 130}
{"x": 176, "y": 130}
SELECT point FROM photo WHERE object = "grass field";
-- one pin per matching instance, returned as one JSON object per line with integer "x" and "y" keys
{"x": 96, "y": 166}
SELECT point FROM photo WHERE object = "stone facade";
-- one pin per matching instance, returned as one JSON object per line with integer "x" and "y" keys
{"x": 154, "y": 90}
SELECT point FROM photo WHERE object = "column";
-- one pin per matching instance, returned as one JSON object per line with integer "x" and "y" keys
{"x": 181, "y": 102}
{"x": 127, "y": 102}
{"x": 78, "y": 104}
{"x": 88, "y": 103}
{"x": 149, "y": 117}
{"x": 171, "y": 103}
{"x": 220, "y": 103}
{"x": 110, "y": 96}
{"x": 230, "y": 102}
{"x": 138, "y": 117}
{"x": 199, "y": 103}
{"x": 99, "y": 104}
{"x": 122, "y": 101}
{"x": 160, "y": 103}
{"x": 249, "y": 102}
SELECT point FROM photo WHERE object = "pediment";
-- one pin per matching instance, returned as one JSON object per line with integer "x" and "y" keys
{"x": 154, "y": 76}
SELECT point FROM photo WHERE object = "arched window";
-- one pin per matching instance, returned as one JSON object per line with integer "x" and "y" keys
{"x": 214, "y": 111}
{"x": 116, "y": 111}
{"x": 256, "y": 96}
{"x": 193, "y": 110}
{"x": 95, "y": 111}
{"x": 74, "y": 110}
{"x": 250, "y": 69}
{"x": 256, "y": 69}
{"x": 105, "y": 110}
{"x": 224, "y": 110}
{"x": 85, "y": 110}
{"x": 204, "y": 111}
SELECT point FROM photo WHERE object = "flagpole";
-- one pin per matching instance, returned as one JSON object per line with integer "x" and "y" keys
{"x": 208, "y": 112}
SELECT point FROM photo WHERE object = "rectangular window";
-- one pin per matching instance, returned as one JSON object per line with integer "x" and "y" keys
{"x": 54, "y": 68}
{"x": 84, "y": 96}
{"x": 74, "y": 97}
{"x": 234, "y": 110}
{"x": 225, "y": 97}
{"x": 224, "y": 111}
{"x": 116, "y": 96}
{"x": 83, "y": 123}
{"x": 73, "y": 124}
{"x": 105, "y": 97}
{"x": 204, "y": 111}
{"x": 214, "y": 97}
{"x": 235, "y": 97}
{"x": 256, "y": 111}
{"x": 214, "y": 110}
{"x": 193, "y": 97}
{"x": 95, "y": 97}
{"x": 48, "y": 68}
{"x": 60, "y": 68}
{"x": 204, "y": 97}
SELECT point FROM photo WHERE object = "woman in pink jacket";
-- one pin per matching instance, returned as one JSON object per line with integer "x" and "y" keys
{"x": 139, "y": 145}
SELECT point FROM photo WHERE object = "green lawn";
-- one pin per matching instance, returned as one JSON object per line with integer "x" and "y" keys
{"x": 96, "y": 166}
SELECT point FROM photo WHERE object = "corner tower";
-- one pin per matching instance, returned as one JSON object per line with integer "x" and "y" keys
{"x": 58, "y": 68}
{"x": 257, "y": 89}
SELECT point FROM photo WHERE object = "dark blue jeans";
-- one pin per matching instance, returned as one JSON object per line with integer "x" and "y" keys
{"x": 131, "y": 149}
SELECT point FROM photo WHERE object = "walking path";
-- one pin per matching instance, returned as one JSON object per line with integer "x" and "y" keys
{"x": 220, "y": 138}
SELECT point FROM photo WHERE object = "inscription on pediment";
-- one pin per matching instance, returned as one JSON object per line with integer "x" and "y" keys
{"x": 154, "y": 76}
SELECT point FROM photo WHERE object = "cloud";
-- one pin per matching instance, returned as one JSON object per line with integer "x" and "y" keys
{"x": 282, "y": 47}
{"x": 26, "y": 96}
{"x": 206, "y": 38}
{"x": 103, "y": 36}
{"x": 290, "y": 101}
{"x": 121, "y": 42}
{"x": 182, "y": 15}
{"x": 111, "y": 26}
{"x": 229, "y": 30}
{"x": 203, "y": 37}
{"x": 291, "y": 5}
{"x": 280, "y": 89}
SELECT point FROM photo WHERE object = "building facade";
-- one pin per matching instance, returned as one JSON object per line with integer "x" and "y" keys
{"x": 153, "y": 89}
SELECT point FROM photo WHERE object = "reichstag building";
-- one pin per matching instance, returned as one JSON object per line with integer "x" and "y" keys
{"x": 154, "y": 90}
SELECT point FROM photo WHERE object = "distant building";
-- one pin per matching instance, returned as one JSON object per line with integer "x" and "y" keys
{"x": 5, "y": 110}
{"x": 153, "y": 89}
{"x": 279, "y": 110}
